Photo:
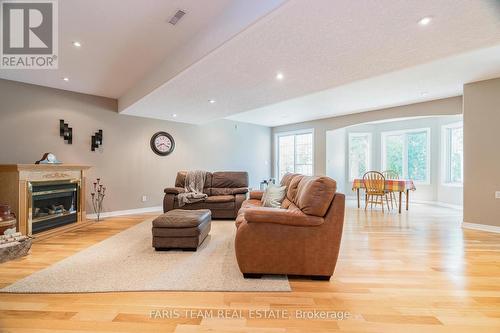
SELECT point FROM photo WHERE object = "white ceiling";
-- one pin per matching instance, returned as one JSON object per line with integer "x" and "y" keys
{"x": 125, "y": 40}
{"x": 338, "y": 56}
{"x": 434, "y": 80}
{"x": 319, "y": 45}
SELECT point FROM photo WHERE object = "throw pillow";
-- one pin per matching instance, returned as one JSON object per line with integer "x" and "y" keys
{"x": 273, "y": 196}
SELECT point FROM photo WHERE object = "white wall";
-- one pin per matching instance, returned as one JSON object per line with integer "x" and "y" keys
{"x": 436, "y": 190}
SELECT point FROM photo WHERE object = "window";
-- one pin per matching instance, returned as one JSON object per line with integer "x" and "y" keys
{"x": 407, "y": 153}
{"x": 295, "y": 153}
{"x": 453, "y": 153}
{"x": 359, "y": 154}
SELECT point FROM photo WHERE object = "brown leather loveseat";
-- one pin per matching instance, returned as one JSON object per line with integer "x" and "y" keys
{"x": 300, "y": 238}
{"x": 226, "y": 192}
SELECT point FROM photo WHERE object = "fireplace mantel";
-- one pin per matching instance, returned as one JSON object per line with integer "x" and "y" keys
{"x": 41, "y": 167}
{"x": 15, "y": 185}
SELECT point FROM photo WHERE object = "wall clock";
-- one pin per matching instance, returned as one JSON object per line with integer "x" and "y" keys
{"x": 162, "y": 143}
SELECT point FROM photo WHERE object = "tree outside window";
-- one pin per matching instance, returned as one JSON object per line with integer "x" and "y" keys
{"x": 407, "y": 153}
{"x": 359, "y": 154}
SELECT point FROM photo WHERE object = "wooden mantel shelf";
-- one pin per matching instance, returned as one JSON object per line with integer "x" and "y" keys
{"x": 42, "y": 167}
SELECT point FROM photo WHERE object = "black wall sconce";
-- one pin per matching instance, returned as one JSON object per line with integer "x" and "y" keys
{"x": 65, "y": 131}
{"x": 96, "y": 140}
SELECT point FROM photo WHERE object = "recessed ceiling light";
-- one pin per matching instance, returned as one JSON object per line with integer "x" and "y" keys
{"x": 424, "y": 94}
{"x": 66, "y": 79}
{"x": 425, "y": 20}
{"x": 77, "y": 44}
{"x": 174, "y": 115}
{"x": 211, "y": 101}
{"x": 280, "y": 76}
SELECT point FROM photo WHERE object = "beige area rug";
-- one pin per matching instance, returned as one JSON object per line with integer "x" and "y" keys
{"x": 127, "y": 262}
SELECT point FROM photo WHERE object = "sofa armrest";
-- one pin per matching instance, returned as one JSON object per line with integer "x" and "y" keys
{"x": 239, "y": 190}
{"x": 256, "y": 195}
{"x": 281, "y": 216}
{"x": 174, "y": 190}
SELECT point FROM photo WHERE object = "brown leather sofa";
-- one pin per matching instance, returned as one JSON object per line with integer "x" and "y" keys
{"x": 226, "y": 192}
{"x": 301, "y": 238}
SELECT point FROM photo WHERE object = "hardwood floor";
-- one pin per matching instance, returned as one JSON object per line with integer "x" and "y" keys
{"x": 414, "y": 272}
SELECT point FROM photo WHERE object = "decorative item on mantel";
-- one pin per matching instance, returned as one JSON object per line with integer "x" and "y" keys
{"x": 48, "y": 158}
{"x": 98, "y": 193}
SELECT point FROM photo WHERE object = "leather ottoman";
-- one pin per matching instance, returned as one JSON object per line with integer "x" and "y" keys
{"x": 181, "y": 229}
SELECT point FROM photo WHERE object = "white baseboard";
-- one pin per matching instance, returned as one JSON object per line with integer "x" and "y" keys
{"x": 481, "y": 227}
{"x": 127, "y": 212}
{"x": 438, "y": 203}
{"x": 435, "y": 203}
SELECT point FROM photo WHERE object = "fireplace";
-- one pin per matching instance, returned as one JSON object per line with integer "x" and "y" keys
{"x": 47, "y": 199}
{"x": 52, "y": 204}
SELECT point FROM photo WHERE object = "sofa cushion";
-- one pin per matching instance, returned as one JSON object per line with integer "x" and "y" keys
{"x": 286, "y": 203}
{"x": 179, "y": 218}
{"x": 180, "y": 180}
{"x": 228, "y": 191}
{"x": 219, "y": 198}
{"x": 287, "y": 177}
{"x": 315, "y": 194}
{"x": 251, "y": 203}
{"x": 292, "y": 187}
{"x": 281, "y": 216}
{"x": 230, "y": 205}
{"x": 230, "y": 179}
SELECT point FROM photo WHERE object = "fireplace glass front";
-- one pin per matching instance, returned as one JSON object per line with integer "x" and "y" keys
{"x": 53, "y": 204}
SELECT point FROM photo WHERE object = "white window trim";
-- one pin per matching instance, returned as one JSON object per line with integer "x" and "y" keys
{"x": 384, "y": 135}
{"x": 445, "y": 160}
{"x": 276, "y": 147}
{"x": 369, "y": 154}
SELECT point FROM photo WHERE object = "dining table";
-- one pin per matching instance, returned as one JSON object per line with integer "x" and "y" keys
{"x": 391, "y": 185}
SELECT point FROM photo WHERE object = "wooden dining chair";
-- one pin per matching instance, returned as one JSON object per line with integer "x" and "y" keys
{"x": 374, "y": 182}
{"x": 391, "y": 174}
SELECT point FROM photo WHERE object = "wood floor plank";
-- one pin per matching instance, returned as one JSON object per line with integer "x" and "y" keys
{"x": 414, "y": 272}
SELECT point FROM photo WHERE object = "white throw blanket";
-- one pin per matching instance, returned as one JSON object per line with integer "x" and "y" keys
{"x": 195, "y": 181}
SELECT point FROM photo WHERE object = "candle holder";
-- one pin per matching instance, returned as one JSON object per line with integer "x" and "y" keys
{"x": 97, "y": 196}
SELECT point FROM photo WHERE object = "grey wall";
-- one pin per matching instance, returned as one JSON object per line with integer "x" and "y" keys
{"x": 447, "y": 106}
{"x": 482, "y": 152}
{"x": 29, "y": 126}
{"x": 435, "y": 190}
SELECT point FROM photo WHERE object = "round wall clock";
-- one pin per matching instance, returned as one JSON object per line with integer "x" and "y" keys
{"x": 162, "y": 143}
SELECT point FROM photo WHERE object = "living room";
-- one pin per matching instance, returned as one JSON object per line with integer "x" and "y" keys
{"x": 249, "y": 166}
